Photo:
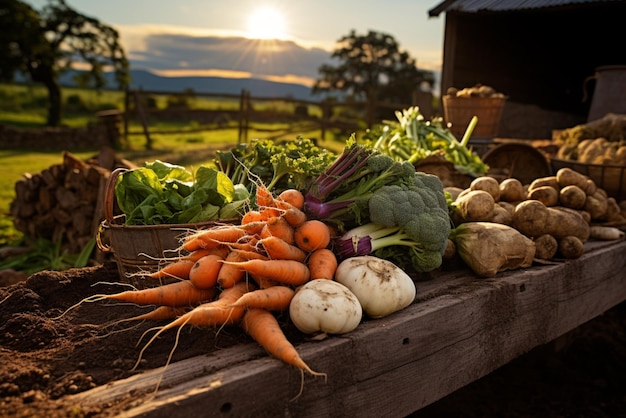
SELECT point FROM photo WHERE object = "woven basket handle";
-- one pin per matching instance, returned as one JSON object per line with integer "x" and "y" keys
{"x": 109, "y": 193}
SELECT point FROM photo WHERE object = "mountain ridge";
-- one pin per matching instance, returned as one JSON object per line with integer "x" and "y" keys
{"x": 148, "y": 81}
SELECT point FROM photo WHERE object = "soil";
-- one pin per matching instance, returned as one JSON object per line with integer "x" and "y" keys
{"x": 47, "y": 353}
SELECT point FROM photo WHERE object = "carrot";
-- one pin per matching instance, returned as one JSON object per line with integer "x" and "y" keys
{"x": 178, "y": 269}
{"x": 180, "y": 293}
{"x": 204, "y": 272}
{"x": 220, "y": 250}
{"x": 265, "y": 282}
{"x": 269, "y": 212}
{"x": 278, "y": 249}
{"x": 157, "y": 314}
{"x": 251, "y": 216}
{"x": 289, "y": 272}
{"x": 278, "y": 227}
{"x": 230, "y": 274}
{"x": 311, "y": 235}
{"x": 253, "y": 228}
{"x": 214, "y": 313}
{"x": 213, "y": 237}
{"x": 251, "y": 255}
{"x": 262, "y": 326}
{"x": 274, "y": 298}
{"x": 292, "y": 196}
{"x": 263, "y": 196}
{"x": 322, "y": 264}
{"x": 294, "y": 216}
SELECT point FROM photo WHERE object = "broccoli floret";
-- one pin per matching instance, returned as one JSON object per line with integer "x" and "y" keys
{"x": 409, "y": 224}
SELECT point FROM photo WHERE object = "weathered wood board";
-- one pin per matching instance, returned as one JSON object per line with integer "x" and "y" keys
{"x": 459, "y": 329}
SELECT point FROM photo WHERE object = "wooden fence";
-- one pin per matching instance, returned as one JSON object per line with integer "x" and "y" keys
{"x": 254, "y": 112}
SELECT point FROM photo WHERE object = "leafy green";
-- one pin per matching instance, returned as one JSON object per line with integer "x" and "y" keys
{"x": 163, "y": 193}
{"x": 413, "y": 138}
{"x": 278, "y": 165}
{"x": 45, "y": 255}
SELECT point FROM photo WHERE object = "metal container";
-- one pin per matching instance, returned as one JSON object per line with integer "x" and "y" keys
{"x": 609, "y": 94}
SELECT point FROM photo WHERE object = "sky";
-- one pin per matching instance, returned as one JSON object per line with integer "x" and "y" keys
{"x": 279, "y": 40}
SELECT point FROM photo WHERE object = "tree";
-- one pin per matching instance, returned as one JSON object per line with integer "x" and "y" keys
{"x": 372, "y": 66}
{"x": 43, "y": 44}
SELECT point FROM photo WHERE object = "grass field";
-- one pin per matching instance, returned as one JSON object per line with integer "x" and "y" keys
{"x": 25, "y": 106}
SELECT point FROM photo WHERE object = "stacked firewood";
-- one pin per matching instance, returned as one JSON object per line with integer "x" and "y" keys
{"x": 64, "y": 201}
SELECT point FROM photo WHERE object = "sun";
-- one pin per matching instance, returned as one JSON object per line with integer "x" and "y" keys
{"x": 266, "y": 23}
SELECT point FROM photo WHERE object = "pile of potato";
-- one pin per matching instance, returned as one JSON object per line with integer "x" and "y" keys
{"x": 559, "y": 213}
{"x": 595, "y": 151}
{"x": 479, "y": 90}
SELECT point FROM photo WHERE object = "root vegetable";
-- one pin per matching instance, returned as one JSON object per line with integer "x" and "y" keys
{"x": 489, "y": 248}
{"x": 546, "y": 247}
{"x": 264, "y": 328}
{"x": 547, "y": 195}
{"x": 544, "y": 181}
{"x": 382, "y": 287}
{"x": 311, "y": 235}
{"x": 533, "y": 219}
{"x": 501, "y": 215}
{"x": 606, "y": 233}
{"x": 325, "y": 306}
{"x": 475, "y": 205}
{"x": 488, "y": 184}
{"x": 571, "y": 247}
{"x": 597, "y": 205}
{"x": 273, "y": 298}
{"x": 567, "y": 177}
{"x": 322, "y": 264}
{"x": 512, "y": 190}
{"x": 572, "y": 197}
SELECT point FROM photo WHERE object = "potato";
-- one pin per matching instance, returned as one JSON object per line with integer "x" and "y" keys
{"x": 571, "y": 247}
{"x": 544, "y": 181}
{"x": 512, "y": 190}
{"x": 501, "y": 215}
{"x": 475, "y": 205}
{"x": 567, "y": 177}
{"x": 591, "y": 187}
{"x": 597, "y": 205}
{"x": 573, "y": 197}
{"x": 613, "y": 212}
{"x": 533, "y": 219}
{"x": 564, "y": 222}
{"x": 547, "y": 195}
{"x": 546, "y": 247}
{"x": 488, "y": 248}
{"x": 530, "y": 218}
{"x": 488, "y": 184}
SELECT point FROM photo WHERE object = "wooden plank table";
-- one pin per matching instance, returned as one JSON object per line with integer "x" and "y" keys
{"x": 459, "y": 329}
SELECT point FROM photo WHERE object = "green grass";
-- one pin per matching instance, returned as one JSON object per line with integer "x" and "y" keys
{"x": 25, "y": 106}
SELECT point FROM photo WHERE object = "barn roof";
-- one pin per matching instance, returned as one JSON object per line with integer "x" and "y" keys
{"x": 473, "y": 6}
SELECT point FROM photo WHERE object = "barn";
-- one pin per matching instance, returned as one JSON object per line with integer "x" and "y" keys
{"x": 544, "y": 55}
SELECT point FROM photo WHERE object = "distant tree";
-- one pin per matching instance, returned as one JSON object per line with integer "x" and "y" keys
{"x": 43, "y": 44}
{"x": 372, "y": 66}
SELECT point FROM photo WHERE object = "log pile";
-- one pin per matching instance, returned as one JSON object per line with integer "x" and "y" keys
{"x": 64, "y": 201}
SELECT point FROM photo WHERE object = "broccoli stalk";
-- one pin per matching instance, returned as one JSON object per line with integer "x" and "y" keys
{"x": 393, "y": 242}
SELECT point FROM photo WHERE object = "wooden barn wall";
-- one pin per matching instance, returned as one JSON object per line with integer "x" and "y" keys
{"x": 539, "y": 59}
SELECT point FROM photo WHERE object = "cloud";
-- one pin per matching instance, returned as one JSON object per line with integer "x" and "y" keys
{"x": 176, "y": 53}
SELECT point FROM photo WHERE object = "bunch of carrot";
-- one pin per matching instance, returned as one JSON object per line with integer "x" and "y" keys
{"x": 241, "y": 274}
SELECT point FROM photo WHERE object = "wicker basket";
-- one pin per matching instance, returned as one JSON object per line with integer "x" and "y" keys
{"x": 139, "y": 248}
{"x": 611, "y": 178}
{"x": 458, "y": 111}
